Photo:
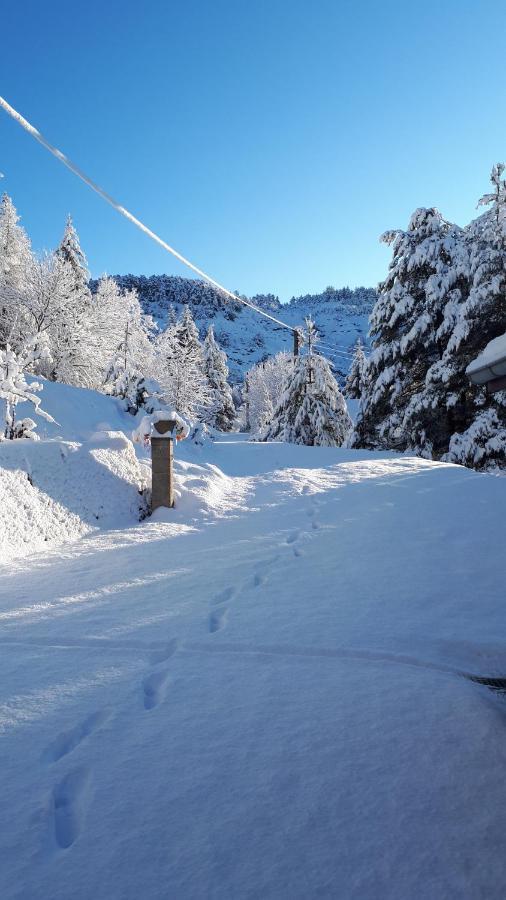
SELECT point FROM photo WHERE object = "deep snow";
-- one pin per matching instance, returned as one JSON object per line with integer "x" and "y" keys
{"x": 263, "y": 692}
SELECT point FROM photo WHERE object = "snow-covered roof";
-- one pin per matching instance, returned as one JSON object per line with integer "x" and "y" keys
{"x": 491, "y": 363}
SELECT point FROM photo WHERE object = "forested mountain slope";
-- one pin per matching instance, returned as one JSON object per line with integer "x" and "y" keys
{"x": 341, "y": 316}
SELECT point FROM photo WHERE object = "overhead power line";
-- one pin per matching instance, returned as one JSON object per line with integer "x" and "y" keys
{"x": 334, "y": 349}
{"x": 128, "y": 215}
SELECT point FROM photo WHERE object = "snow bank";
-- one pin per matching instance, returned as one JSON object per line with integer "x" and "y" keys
{"x": 55, "y": 491}
{"x": 78, "y": 412}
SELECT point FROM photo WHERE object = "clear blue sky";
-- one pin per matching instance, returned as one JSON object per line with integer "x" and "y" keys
{"x": 271, "y": 141}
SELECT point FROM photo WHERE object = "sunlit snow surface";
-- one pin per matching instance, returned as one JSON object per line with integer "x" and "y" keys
{"x": 261, "y": 694}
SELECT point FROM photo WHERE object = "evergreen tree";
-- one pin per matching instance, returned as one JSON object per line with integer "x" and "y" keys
{"x": 480, "y": 434}
{"x": 220, "y": 413}
{"x": 75, "y": 347}
{"x": 355, "y": 379}
{"x": 179, "y": 368}
{"x": 69, "y": 250}
{"x": 426, "y": 276}
{"x": 187, "y": 334}
{"x": 15, "y": 258}
{"x": 311, "y": 410}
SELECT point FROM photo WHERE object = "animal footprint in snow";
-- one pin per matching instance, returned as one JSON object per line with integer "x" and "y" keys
{"x": 163, "y": 655}
{"x": 67, "y": 741}
{"x": 217, "y": 619}
{"x": 155, "y": 688}
{"x": 292, "y": 537}
{"x": 68, "y": 807}
{"x": 258, "y": 580}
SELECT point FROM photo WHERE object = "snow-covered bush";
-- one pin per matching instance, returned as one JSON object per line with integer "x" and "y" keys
{"x": 15, "y": 389}
{"x": 483, "y": 444}
{"x": 200, "y": 434}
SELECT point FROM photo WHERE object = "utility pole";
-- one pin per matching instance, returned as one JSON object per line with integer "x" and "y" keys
{"x": 310, "y": 350}
{"x": 246, "y": 396}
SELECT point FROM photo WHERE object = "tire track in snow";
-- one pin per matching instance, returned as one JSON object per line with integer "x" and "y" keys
{"x": 372, "y": 656}
{"x": 100, "y": 644}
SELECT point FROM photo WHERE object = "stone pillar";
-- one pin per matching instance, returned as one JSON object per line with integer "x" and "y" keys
{"x": 162, "y": 455}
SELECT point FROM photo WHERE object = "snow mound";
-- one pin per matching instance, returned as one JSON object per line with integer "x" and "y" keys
{"x": 79, "y": 412}
{"x": 205, "y": 492}
{"x": 53, "y": 491}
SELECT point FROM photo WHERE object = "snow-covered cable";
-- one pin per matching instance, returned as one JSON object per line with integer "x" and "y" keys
{"x": 128, "y": 215}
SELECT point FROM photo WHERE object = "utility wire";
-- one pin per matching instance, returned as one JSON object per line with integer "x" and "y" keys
{"x": 334, "y": 349}
{"x": 337, "y": 350}
{"x": 128, "y": 215}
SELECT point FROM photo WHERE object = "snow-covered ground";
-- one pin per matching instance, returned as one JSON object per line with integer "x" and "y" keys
{"x": 261, "y": 694}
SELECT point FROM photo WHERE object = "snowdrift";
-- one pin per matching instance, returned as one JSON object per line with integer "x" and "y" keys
{"x": 54, "y": 491}
{"x": 85, "y": 473}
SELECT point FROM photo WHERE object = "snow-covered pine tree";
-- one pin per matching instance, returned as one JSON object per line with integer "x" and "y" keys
{"x": 74, "y": 348}
{"x": 179, "y": 368}
{"x": 427, "y": 276}
{"x": 355, "y": 378}
{"x": 187, "y": 333}
{"x": 311, "y": 410}
{"x": 15, "y": 389}
{"x": 480, "y": 432}
{"x": 15, "y": 259}
{"x": 220, "y": 412}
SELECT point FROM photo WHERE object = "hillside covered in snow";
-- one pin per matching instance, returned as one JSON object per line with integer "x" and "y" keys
{"x": 341, "y": 316}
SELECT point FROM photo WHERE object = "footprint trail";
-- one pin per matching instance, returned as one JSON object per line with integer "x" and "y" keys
{"x": 67, "y": 741}
{"x": 68, "y": 807}
{"x": 154, "y": 688}
{"x": 217, "y": 619}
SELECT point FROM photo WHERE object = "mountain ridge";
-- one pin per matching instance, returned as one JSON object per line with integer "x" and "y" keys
{"x": 340, "y": 314}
